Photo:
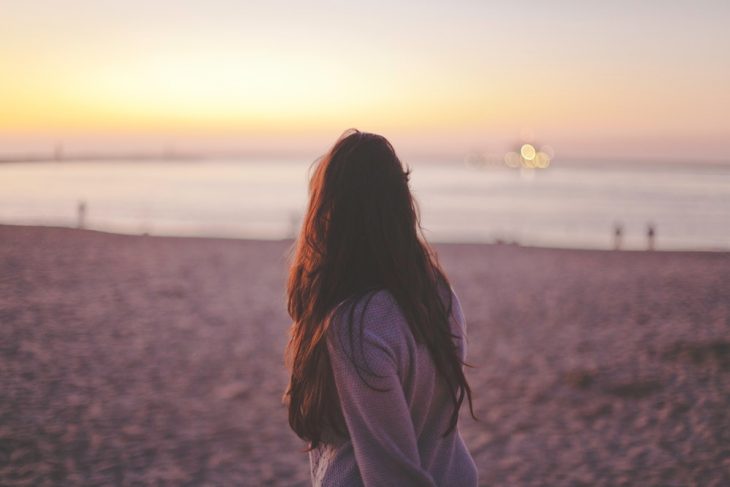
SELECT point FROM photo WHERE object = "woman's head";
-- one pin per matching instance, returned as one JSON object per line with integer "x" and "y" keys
{"x": 361, "y": 216}
{"x": 361, "y": 233}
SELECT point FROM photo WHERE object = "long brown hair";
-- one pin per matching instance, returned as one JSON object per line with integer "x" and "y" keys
{"x": 361, "y": 233}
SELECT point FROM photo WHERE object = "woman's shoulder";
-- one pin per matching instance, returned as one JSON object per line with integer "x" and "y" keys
{"x": 369, "y": 331}
{"x": 375, "y": 313}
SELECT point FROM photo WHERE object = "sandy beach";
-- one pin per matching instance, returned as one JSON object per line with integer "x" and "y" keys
{"x": 133, "y": 360}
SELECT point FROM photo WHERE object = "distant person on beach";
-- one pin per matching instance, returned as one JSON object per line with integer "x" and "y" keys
{"x": 618, "y": 236}
{"x": 378, "y": 339}
{"x": 650, "y": 236}
{"x": 81, "y": 214}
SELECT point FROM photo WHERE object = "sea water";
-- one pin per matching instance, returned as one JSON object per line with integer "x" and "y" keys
{"x": 576, "y": 205}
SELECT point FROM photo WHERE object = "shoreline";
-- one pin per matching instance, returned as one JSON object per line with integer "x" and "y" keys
{"x": 433, "y": 244}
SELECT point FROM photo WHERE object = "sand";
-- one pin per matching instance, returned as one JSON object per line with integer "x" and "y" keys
{"x": 131, "y": 360}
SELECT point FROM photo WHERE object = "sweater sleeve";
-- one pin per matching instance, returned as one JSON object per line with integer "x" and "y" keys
{"x": 365, "y": 368}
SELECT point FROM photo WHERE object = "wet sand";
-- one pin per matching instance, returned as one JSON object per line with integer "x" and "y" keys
{"x": 130, "y": 360}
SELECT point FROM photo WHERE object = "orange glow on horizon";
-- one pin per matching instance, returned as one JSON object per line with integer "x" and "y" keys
{"x": 247, "y": 69}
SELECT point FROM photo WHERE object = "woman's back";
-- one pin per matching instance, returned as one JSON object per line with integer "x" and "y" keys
{"x": 395, "y": 405}
{"x": 384, "y": 367}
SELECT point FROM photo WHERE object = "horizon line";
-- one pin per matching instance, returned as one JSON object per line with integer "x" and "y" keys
{"x": 188, "y": 155}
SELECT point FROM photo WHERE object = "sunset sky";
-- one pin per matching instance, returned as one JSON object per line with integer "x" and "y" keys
{"x": 623, "y": 79}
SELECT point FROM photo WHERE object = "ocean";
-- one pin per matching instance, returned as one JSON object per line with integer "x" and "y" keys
{"x": 576, "y": 205}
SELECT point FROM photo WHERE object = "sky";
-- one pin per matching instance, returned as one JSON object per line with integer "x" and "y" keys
{"x": 595, "y": 80}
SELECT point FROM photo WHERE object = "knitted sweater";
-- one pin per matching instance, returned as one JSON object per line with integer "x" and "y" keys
{"x": 395, "y": 433}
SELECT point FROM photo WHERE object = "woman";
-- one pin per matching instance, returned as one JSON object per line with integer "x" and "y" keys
{"x": 378, "y": 341}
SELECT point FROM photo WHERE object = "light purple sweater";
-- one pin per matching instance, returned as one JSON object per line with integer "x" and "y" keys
{"x": 395, "y": 437}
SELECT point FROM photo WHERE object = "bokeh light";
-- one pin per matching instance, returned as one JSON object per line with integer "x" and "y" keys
{"x": 527, "y": 158}
{"x": 528, "y": 152}
{"x": 512, "y": 159}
